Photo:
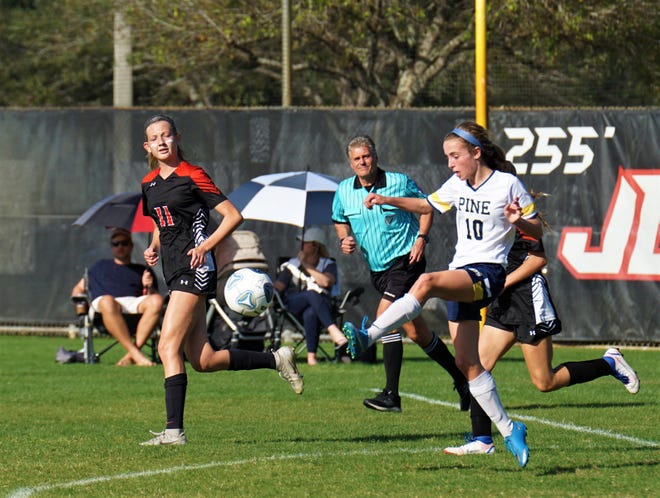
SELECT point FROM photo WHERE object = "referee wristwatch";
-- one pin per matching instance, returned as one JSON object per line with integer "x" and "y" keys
{"x": 424, "y": 237}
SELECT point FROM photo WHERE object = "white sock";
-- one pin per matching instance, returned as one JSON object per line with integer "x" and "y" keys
{"x": 484, "y": 390}
{"x": 400, "y": 311}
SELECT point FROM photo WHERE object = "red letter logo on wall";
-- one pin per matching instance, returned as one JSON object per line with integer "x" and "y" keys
{"x": 630, "y": 241}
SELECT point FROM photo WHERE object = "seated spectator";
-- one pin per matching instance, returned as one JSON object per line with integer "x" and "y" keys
{"x": 306, "y": 283}
{"x": 118, "y": 286}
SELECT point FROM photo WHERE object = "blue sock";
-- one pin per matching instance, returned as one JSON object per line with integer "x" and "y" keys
{"x": 484, "y": 439}
{"x": 610, "y": 362}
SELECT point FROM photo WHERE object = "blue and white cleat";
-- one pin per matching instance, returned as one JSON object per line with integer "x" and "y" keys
{"x": 621, "y": 370}
{"x": 358, "y": 340}
{"x": 516, "y": 443}
{"x": 472, "y": 447}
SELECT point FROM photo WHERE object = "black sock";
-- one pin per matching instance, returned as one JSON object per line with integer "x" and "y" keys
{"x": 586, "y": 371}
{"x": 240, "y": 359}
{"x": 392, "y": 359}
{"x": 438, "y": 352}
{"x": 341, "y": 350}
{"x": 175, "y": 400}
{"x": 480, "y": 421}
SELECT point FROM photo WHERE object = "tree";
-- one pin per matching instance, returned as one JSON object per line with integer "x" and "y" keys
{"x": 575, "y": 52}
{"x": 56, "y": 53}
{"x": 405, "y": 53}
{"x": 373, "y": 53}
{"x": 380, "y": 53}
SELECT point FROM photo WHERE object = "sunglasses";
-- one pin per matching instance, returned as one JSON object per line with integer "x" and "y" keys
{"x": 123, "y": 243}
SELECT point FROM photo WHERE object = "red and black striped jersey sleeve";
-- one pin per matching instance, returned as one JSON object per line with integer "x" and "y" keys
{"x": 202, "y": 182}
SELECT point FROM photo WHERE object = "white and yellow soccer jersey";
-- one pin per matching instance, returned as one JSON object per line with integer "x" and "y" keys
{"x": 484, "y": 234}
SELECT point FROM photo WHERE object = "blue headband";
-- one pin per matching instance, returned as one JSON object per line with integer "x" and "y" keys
{"x": 467, "y": 137}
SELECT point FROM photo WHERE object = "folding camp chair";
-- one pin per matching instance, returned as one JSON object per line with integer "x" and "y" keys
{"x": 285, "y": 321}
{"x": 90, "y": 325}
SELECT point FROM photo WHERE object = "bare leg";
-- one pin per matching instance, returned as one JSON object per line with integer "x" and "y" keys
{"x": 116, "y": 325}
{"x": 465, "y": 337}
{"x": 454, "y": 285}
{"x": 199, "y": 351}
{"x": 418, "y": 331}
{"x": 150, "y": 309}
{"x": 538, "y": 358}
{"x": 336, "y": 335}
{"x": 493, "y": 344}
{"x": 181, "y": 314}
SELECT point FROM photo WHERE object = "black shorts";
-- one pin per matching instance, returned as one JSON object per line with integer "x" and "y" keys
{"x": 201, "y": 281}
{"x": 526, "y": 309}
{"x": 398, "y": 278}
{"x": 529, "y": 333}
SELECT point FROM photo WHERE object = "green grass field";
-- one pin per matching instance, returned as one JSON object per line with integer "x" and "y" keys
{"x": 73, "y": 430}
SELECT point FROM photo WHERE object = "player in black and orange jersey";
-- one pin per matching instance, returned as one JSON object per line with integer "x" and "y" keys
{"x": 178, "y": 196}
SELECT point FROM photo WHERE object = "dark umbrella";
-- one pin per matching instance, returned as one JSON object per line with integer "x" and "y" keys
{"x": 118, "y": 210}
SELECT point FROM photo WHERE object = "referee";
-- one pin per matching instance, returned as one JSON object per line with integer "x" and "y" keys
{"x": 392, "y": 242}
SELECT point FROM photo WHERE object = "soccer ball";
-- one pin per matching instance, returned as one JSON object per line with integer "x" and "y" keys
{"x": 249, "y": 291}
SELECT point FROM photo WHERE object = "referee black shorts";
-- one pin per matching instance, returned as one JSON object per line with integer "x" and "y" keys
{"x": 398, "y": 278}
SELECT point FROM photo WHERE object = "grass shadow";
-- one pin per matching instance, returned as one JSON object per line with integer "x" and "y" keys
{"x": 553, "y": 471}
{"x": 545, "y": 406}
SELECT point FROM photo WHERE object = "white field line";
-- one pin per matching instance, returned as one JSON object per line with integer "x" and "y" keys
{"x": 29, "y": 491}
{"x": 551, "y": 423}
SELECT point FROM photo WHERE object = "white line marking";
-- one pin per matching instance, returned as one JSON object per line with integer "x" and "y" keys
{"x": 26, "y": 492}
{"x": 559, "y": 425}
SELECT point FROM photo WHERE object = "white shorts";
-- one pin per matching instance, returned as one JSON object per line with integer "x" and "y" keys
{"x": 129, "y": 304}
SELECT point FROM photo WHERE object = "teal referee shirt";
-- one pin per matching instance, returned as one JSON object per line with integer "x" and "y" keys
{"x": 383, "y": 233}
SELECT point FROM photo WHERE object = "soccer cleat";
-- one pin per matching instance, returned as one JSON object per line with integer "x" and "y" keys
{"x": 516, "y": 443}
{"x": 385, "y": 401}
{"x": 473, "y": 447}
{"x": 166, "y": 439}
{"x": 621, "y": 370}
{"x": 463, "y": 390}
{"x": 285, "y": 364}
{"x": 358, "y": 340}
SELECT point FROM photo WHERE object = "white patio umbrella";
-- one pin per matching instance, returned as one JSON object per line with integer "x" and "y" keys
{"x": 299, "y": 198}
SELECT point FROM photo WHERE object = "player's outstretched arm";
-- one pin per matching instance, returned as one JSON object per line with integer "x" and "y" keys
{"x": 412, "y": 204}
